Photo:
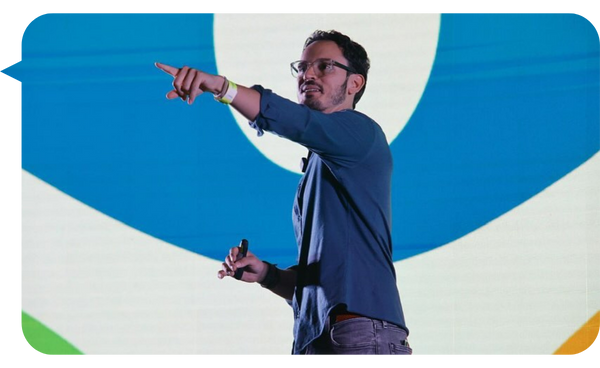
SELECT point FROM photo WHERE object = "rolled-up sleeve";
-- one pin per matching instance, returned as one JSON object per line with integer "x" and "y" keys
{"x": 342, "y": 137}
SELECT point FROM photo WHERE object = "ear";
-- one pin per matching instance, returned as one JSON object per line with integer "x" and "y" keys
{"x": 355, "y": 83}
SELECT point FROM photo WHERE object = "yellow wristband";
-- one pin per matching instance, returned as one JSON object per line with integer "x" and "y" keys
{"x": 229, "y": 94}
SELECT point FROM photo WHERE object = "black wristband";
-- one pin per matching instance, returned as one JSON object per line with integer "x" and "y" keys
{"x": 271, "y": 278}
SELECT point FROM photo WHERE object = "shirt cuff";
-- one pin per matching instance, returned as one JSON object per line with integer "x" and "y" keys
{"x": 254, "y": 124}
{"x": 259, "y": 131}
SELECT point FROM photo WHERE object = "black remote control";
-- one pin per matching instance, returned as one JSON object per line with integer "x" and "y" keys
{"x": 241, "y": 254}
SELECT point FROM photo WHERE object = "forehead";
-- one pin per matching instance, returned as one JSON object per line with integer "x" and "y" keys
{"x": 323, "y": 49}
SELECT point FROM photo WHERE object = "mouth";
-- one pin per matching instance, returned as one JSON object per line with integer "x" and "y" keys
{"x": 310, "y": 88}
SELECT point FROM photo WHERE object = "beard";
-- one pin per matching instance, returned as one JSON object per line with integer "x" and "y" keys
{"x": 335, "y": 99}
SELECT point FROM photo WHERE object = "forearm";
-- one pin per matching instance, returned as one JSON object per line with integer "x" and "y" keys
{"x": 247, "y": 102}
{"x": 286, "y": 285}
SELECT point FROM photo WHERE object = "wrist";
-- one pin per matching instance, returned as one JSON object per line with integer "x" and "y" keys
{"x": 218, "y": 85}
{"x": 228, "y": 92}
{"x": 271, "y": 276}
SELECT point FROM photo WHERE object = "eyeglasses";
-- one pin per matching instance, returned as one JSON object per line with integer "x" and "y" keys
{"x": 320, "y": 67}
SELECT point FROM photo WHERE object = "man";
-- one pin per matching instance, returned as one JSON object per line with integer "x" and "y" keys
{"x": 343, "y": 289}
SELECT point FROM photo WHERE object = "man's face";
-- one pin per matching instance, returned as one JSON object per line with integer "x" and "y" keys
{"x": 326, "y": 93}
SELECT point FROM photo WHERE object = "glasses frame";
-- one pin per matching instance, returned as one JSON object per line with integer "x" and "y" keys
{"x": 294, "y": 69}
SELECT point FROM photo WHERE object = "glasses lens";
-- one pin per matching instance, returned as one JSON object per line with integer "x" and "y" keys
{"x": 320, "y": 67}
{"x": 299, "y": 67}
{"x": 323, "y": 67}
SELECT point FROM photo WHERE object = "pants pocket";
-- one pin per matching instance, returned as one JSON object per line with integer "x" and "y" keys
{"x": 396, "y": 349}
{"x": 353, "y": 336}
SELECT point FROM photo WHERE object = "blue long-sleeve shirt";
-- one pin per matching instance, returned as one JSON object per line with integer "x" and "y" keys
{"x": 341, "y": 215}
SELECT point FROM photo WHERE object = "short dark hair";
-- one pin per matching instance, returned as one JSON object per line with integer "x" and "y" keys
{"x": 353, "y": 52}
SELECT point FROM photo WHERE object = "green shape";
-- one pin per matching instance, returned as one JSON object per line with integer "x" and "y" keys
{"x": 43, "y": 339}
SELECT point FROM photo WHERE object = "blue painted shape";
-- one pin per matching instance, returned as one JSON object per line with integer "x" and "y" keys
{"x": 96, "y": 125}
{"x": 511, "y": 106}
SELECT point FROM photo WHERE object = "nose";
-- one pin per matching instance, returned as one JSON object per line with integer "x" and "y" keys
{"x": 309, "y": 73}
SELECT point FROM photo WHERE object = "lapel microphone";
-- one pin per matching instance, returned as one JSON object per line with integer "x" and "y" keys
{"x": 304, "y": 162}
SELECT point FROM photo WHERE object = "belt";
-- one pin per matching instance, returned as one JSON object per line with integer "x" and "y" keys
{"x": 335, "y": 318}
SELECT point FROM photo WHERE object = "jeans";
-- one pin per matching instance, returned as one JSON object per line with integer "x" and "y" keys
{"x": 360, "y": 336}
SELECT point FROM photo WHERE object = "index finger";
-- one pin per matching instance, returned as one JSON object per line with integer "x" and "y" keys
{"x": 233, "y": 253}
{"x": 171, "y": 70}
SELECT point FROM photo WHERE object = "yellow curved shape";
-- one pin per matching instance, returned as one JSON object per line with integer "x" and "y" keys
{"x": 583, "y": 338}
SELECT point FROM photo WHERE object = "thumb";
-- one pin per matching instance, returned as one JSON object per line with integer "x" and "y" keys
{"x": 172, "y": 94}
{"x": 243, "y": 262}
